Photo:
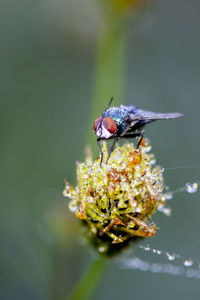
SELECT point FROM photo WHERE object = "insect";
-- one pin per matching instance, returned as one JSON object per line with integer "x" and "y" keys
{"x": 125, "y": 121}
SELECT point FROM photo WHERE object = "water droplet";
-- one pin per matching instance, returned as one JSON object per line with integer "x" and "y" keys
{"x": 101, "y": 249}
{"x": 165, "y": 210}
{"x": 191, "y": 187}
{"x": 188, "y": 262}
{"x": 147, "y": 146}
{"x": 190, "y": 273}
{"x": 146, "y": 248}
{"x": 138, "y": 209}
{"x": 155, "y": 268}
{"x": 73, "y": 208}
{"x": 144, "y": 266}
{"x": 169, "y": 196}
{"x": 152, "y": 162}
{"x": 170, "y": 256}
{"x": 66, "y": 193}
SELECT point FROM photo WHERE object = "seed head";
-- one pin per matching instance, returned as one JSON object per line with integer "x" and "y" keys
{"x": 115, "y": 202}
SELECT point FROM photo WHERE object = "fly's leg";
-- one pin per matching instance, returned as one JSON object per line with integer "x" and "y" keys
{"x": 101, "y": 152}
{"x": 133, "y": 135}
{"x": 140, "y": 140}
{"x": 111, "y": 149}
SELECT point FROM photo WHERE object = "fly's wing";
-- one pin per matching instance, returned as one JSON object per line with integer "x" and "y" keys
{"x": 137, "y": 118}
{"x": 148, "y": 116}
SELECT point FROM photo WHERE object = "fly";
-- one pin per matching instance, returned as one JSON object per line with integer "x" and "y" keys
{"x": 125, "y": 121}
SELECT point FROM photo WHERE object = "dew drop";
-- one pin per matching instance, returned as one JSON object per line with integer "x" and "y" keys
{"x": 191, "y": 187}
{"x": 146, "y": 248}
{"x": 188, "y": 262}
{"x": 73, "y": 208}
{"x": 165, "y": 210}
{"x": 152, "y": 162}
{"x": 101, "y": 249}
{"x": 156, "y": 268}
{"x": 66, "y": 193}
{"x": 169, "y": 196}
{"x": 190, "y": 273}
{"x": 170, "y": 256}
{"x": 138, "y": 209}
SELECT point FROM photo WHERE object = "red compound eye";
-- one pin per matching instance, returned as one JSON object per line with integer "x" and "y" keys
{"x": 109, "y": 124}
{"x": 96, "y": 123}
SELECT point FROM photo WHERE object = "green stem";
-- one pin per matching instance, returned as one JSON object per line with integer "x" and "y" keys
{"x": 109, "y": 74}
{"x": 89, "y": 280}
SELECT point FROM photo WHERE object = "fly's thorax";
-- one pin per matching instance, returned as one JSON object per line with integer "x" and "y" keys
{"x": 117, "y": 113}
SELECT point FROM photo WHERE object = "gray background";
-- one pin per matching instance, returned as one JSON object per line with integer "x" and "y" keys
{"x": 47, "y": 75}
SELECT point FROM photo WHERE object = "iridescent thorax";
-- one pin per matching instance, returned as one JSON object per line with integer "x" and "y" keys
{"x": 119, "y": 114}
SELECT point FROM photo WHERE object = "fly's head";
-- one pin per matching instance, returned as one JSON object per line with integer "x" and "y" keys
{"x": 105, "y": 127}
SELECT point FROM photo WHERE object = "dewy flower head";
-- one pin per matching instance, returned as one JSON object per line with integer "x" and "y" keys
{"x": 116, "y": 201}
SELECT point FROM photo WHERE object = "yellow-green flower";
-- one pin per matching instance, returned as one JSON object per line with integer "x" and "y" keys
{"x": 116, "y": 201}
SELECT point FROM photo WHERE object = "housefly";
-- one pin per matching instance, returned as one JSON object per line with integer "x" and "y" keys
{"x": 125, "y": 121}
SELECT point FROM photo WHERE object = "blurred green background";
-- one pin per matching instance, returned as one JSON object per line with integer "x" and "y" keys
{"x": 47, "y": 53}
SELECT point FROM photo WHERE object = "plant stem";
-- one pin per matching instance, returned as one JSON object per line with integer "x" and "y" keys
{"x": 109, "y": 73}
{"x": 89, "y": 280}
